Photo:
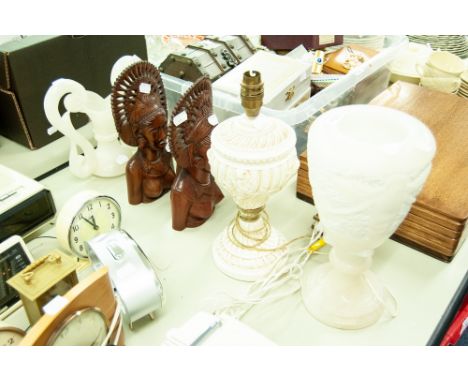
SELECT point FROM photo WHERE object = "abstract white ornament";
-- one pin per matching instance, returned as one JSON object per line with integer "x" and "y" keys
{"x": 251, "y": 157}
{"x": 110, "y": 156}
{"x": 366, "y": 164}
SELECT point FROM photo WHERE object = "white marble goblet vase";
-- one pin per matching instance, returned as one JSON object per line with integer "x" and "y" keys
{"x": 367, "y": 164}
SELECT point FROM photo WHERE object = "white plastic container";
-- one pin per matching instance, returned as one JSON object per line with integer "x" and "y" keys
{"x": 359, "y": 86}
{"x": 286, "y": 80}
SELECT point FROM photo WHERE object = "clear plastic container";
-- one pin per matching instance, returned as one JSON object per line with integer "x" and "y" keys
{"x": 359, "y": 86}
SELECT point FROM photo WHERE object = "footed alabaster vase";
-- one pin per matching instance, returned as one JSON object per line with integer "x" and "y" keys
{"x": 109, "y": 157}
{"x": 366, "y": 164}
{"x": 251, "y": 157}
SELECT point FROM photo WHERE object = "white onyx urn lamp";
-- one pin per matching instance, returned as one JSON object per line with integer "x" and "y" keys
{"x": 252, "y": 156}
{"x": 366, "y": 164}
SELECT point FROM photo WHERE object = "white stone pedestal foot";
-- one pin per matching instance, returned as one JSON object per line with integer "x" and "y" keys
{"x": 234, "y": 257}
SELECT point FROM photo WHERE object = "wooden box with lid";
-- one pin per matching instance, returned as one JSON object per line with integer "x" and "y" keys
{"x": 212, "y": 57}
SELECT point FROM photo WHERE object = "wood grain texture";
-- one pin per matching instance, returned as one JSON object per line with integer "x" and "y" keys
{"x": 94, "y": 291}
{"x": 194, "y": 193}
{"x": 428, "y": 250}
{"x": 304, "y": 190}
{"x": 431, "y": 236}
{"x": 433, "y": 227}
{"x": 443, "y": 201}
{"x": 440, "y": 219}
{"x": 436, "y": 248}
{"x": 446, "y": 115}
{"x": 141, "y": 121}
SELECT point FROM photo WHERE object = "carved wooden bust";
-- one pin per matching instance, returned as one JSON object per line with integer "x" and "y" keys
{"x": 194, "y": 193}
{"x": 140, "y": 114}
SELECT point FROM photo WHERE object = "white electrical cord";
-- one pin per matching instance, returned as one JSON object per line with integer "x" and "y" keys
{"x": 112, "y": 326}
{"x": 286, "y": 270}
{"x": 285, "y": 274}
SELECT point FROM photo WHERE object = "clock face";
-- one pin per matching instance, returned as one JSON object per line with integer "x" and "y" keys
{"x": 10, "y": 336}
{"x": 98, "y": 215}
{"x": 87, "y": 327}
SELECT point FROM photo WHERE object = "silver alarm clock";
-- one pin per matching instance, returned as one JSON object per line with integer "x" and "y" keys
{"x": 135, "y": 281}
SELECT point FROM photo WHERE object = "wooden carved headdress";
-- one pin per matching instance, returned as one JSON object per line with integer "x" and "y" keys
{"x": 137, "y": 97}
{"x": 197, "y": 102}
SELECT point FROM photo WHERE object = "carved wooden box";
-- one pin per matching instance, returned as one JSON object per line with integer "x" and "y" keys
{"x": 213, "y": 57}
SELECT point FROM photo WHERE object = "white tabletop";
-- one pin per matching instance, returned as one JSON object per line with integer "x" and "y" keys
{"x": 34, "y": 163}
{"x": 422, "y": 284}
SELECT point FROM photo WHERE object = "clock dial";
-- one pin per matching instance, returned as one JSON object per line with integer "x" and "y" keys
{"x": 98, "y": 215}
{"x": 10, "y": 336}
{"x": 87, "y": 327}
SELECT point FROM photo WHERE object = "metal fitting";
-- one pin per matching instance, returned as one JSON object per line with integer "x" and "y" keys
{"x": 252, "y": 93}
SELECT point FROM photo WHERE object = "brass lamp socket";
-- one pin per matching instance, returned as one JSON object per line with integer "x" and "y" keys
{"x": 252, "y": 93}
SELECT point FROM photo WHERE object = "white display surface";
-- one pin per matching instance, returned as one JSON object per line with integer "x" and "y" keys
{"x": 34, "y": 163}
{"x": 422, "y": 284}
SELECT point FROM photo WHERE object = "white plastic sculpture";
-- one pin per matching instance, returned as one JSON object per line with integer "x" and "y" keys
{"x": 366, "y": 164}
{"x": 252, "y": 156}
{"x": 110, "y": 156}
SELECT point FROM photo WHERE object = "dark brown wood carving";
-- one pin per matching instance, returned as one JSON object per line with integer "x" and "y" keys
{"x": 140, "y": 113}
{"x": 194, "y": 193}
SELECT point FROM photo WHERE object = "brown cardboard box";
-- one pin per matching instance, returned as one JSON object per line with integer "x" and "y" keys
{"x": 29, "y": 66}
{"x": 289, "y": 42}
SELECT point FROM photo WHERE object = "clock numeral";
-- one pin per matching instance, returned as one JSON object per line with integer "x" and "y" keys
{"x": 100, "y": 204}
{"x": 90, "y": 207}
{"x": 81, "y": 248}
{"x": 75, "y": 239}
{"x": 113, "y": 226}
{"x": 80, "y": 216}
{"x": 108, "y": 206}
{"x": 76, "y": 228}
{"x": 113, "y": 215}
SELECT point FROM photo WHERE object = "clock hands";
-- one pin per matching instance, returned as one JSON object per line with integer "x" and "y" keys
{"x": 94, "y": 343}
{"x": 93, "y": 222}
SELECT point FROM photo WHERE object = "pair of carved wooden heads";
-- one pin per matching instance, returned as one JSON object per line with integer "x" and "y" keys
{"x": 139, "y": 108}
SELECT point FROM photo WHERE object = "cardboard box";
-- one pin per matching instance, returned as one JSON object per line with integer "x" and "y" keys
{"x": 29, "y": 66}
{"x": 289, "y": 42}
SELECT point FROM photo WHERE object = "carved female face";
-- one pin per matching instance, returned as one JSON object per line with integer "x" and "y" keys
{"x": 151, "y": 133}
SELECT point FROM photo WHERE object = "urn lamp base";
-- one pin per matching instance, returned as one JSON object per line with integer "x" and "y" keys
{"x": 344, "y": 294}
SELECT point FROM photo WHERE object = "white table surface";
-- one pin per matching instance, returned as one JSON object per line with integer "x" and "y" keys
{"x": 34, "y": 163}
{"x": 422, "y": 284}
